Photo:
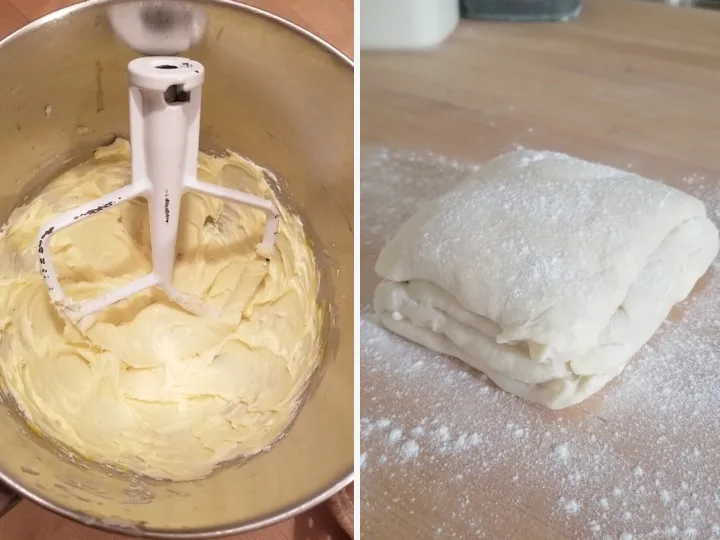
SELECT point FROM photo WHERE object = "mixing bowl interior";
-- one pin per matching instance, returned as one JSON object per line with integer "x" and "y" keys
{"x": 272, "y": 93}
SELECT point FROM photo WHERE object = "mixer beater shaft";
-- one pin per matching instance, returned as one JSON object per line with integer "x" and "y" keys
{"x": 165, "y": 97}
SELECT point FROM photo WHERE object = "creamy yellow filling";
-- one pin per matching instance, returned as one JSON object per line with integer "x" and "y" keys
{"x": 149, "y": 387}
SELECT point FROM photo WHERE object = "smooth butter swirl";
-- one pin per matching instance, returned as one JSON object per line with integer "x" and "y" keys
{"x": 149, "y": 387}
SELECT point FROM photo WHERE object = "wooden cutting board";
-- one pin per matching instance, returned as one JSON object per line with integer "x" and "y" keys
{"x": 445, "y": 455}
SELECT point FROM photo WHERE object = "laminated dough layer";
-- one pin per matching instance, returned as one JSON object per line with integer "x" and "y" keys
{"x": 545, "y": 272}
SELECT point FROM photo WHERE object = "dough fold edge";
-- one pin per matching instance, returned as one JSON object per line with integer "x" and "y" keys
{"x": 424, "y": 313}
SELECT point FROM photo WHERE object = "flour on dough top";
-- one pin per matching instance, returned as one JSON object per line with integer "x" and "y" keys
{"x": 533, "y": 238}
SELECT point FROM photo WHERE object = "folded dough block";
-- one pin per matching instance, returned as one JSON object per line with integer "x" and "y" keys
{"x": 545, "y": 272}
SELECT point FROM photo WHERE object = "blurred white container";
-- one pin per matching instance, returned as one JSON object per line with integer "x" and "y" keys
{"x": 406, "y": 24}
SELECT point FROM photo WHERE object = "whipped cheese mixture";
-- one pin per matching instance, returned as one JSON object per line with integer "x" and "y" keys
{"x": 147, "y": 386}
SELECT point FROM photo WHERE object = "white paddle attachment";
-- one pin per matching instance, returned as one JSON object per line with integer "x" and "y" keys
{"x": 165, "y": 95}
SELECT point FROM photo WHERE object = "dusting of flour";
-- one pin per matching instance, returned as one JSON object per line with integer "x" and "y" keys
{"x": 439, "y": 440}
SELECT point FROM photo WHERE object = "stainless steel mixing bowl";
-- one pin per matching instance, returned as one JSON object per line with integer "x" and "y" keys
{"x": 274, "y": 93}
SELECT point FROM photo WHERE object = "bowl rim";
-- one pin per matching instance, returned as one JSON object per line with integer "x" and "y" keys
{"x": 201, "y": 533}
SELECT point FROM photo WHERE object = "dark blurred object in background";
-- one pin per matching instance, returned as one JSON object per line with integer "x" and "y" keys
{"x": 521, "y": 10}
{"x": 711, "y": 4}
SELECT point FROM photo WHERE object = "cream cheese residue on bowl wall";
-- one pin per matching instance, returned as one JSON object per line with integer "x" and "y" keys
{"x": 149, "y": 387}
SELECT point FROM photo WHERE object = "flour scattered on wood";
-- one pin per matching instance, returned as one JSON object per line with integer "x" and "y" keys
{"x": 637, "y": 462}
{"x": 571, "y": 506}
{"x": 561, "y": 452}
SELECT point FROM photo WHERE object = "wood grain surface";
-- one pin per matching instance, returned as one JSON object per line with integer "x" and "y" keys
{"x": 333, "y": 21}
{"x": 629, "y": 82}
